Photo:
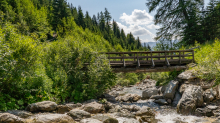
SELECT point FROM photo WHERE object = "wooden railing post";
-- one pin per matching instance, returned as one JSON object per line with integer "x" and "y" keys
{"x": 159, "y": 56}
{"x": 193, "y": 56}
{"x": 179, "y": 57}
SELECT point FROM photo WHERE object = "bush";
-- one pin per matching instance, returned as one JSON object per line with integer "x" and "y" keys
{"x": 208, "y": 60}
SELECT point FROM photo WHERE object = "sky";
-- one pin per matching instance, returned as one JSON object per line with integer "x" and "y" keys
{"x": 131, "y": 15}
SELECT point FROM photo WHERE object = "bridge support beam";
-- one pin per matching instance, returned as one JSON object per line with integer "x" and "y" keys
{"x": 157, "y": 69}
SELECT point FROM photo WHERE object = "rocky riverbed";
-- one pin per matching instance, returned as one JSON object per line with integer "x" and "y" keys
{"x": 184, "y": 100}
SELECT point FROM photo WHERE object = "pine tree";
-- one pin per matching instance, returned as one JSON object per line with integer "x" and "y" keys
{"x": 173, "y": 16}
{"x": 80, "y": 20}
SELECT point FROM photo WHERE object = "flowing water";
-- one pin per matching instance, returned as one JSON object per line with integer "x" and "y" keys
{"x": 166, "y": 114}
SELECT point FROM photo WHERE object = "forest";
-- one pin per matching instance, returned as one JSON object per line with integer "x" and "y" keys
{"x": 45, "y": 43}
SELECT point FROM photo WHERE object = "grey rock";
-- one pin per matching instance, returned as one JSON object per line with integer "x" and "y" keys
{"x": 110, "y": 98}
{"x": 191, "y": 99}
{"x": 10, "y": 118}
{"x": 105, "y": 118}
{"x": 67, "y": 107}
{"x": 212, "y": 107}
{"x": 20, "y": 113}
{"x": 182, "y": 88}
{"x": 93, "y": 107}
{"x": 90, "y": 120}
{"x": 156, "y": 97}
{"x": 161, "y": 101}
{"x": 77, "y": 115}
{"x": 171, "y": 90}
{"x": 130, "y": 120}
{"x": 127, "y": 115}
{"x": 50, "y": 118}
{"x": 209, "y": 95}
{"x": 146, "y": 111}
{"x": 204, "y": 112}
{"x": 128, "y": 98}
{"x": 45, "y": 106}
{"x": 146, "y": 94}
{"x": 187, "y": 75}
{"x": 176, "y": 99}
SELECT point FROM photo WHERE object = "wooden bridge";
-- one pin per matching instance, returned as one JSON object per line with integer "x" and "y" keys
{"x": 153, "y": 61}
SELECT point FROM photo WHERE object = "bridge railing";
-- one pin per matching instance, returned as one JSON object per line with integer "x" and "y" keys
{"x": 150, "y": 58}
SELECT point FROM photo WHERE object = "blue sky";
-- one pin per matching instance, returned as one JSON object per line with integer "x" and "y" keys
{"x": 131, "y": 15}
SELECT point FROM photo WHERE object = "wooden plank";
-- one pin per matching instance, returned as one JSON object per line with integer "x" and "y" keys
{"x": 158, "y": 69}
{"x": 132, "y": 57}
{"x": 144, "y": 52}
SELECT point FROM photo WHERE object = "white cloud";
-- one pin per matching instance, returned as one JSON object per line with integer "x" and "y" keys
{"x": 139, "y": 17}
{"x": 152, "y": 26}
{"x": 138, "y": 24}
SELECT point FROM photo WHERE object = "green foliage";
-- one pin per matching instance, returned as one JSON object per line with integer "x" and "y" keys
{"x": 125, "y": 79}
{"x": 207, "y": 58}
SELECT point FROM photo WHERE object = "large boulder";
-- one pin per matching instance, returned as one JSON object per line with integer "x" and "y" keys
{"x": 50, "y": 118}
{"x": 20, "y": 113}
{"x": 183, "y": 87}
{"x": 94, "y": 107}
{"x": 149, "y": 92}
{"x": 209, "y": 95}
{"x": 171, "y": 90}
{"x": 10, "y": 118}
{"x": 77, "y": 115}
{"x": 105, "y": 118}
{"x": 45, "y": 106}
{"x": 90, "y": 120}
{"x": 176, "y": 99}
{"x": 191, "y": 99}
{"x": 189, "y": 74}
{"x": 62, "y": 109}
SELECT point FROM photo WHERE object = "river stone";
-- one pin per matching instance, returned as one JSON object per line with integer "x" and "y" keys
{"x": 176, "y": 99}
{"x": 146, "y": 111}
{"x": 105, "y": 118}
{"x": 209, "y": 95}
{"x": 45, "y": 106}
{"x": 204, "y": 112}
{"x": 110, "y": 98}
{"x": 171, "y": 90}
{"x": 94, "y": 107}
{"x": 187, "y": 75}
{"x": 10, "y": 118}
{"x": 146, "y": 94}
{"x": 62, "y": 109}
{"x": 127, "y": 115}
{"x": 191, "y": 98}
{"x": 156, "y": 97}
{"x": 20, "y": 113}
{"x": 212, "y": 107}
{"x": 129, "y": 120}
{"x": 161, "y": 101}
{"x": 79, "y": 114}
{"x": 50, "y": 118}
{"x": 128, "y": 98}
{"x": 90, "y": 120}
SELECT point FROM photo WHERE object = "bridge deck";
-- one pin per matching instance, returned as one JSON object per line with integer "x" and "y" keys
{"x": 155, "y": 61}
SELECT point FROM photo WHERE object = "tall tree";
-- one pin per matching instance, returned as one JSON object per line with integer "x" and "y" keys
{"x": 80, "y": 20}
{"x": 173, "y": 16}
